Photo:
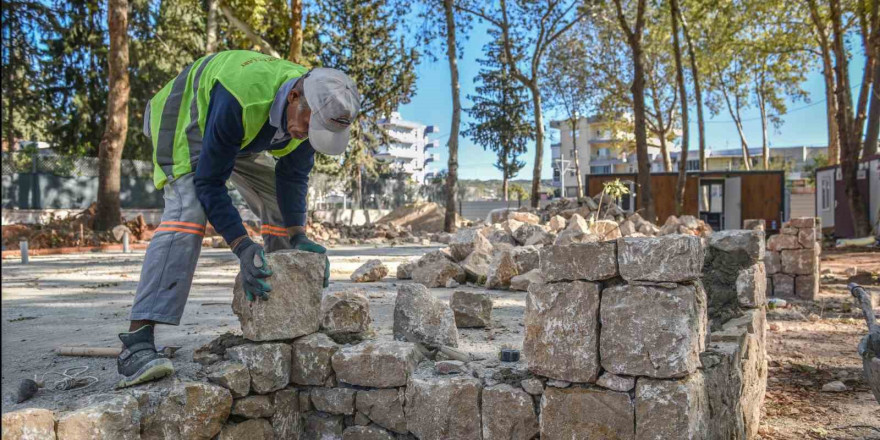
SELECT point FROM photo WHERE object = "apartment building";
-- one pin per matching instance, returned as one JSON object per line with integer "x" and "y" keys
{"x": 792, "y": 159}
{"x": 603, "y": 147}
{"x": 409, "y": 146}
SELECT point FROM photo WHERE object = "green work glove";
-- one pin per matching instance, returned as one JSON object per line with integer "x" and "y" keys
{"x": 254, "y": 269}
{"x": 302, "y": 243}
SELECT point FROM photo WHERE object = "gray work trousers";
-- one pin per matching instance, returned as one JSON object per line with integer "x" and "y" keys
{"x": 170, "y": 263}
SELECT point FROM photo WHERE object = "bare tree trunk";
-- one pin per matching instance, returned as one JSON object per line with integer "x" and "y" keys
{"x": 850, "y": 120}
{"x": 296, "y": 31}
{"x": 8, "y": 81}
{"x": 634, "y": 40}
{"x": 830, "y": 108}
{"x": 873, "y": 115}
{"x": 765, "y": 147}
{"x": 577, "y": 162}
{"x": 660, "y": 131}
{"x": 452, "y": 164}
{"x": 682, "y": 91}
{"x": 504, "y": 185}
{"x": 108, "y": 212}
{"x": 211, "y": 27}
{"x": 539, "y": 144}
{"x": 734, "y": 114}
{"x": 698, "y": 93}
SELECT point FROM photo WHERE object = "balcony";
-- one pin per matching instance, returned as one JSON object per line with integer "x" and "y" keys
{"x": 432, "y": 157}
{"x": 396, "y": 151}
{"x": 435, "y": 143}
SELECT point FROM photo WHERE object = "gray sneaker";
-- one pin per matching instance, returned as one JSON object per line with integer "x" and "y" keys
{"x": 139, "y": 362}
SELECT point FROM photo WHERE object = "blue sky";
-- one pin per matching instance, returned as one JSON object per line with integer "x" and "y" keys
{"x": 805, "y": 123}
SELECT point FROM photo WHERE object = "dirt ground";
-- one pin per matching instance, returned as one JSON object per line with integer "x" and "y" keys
{"x": 813, "y": 343}
{"x": 85, "y": 300}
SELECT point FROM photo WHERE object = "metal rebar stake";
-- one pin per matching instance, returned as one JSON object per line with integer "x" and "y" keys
{"x": 23, "y": 245}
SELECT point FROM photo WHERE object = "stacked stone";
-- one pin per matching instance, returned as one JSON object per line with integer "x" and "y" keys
{"x": 793, "y": 259}
{"x": 621, "y": 326}
{"x": 735, "y": 365}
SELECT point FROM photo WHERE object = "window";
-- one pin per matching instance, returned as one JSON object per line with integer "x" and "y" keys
{"x": 606, "y": 169}
{"x": 693, "y": 165}
{"x": 825, "y": 195}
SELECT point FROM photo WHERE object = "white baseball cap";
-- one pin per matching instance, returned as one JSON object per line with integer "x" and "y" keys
{"x": 335, "y": 102}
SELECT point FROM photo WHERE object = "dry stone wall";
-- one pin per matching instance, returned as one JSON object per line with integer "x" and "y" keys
{"x": 617, "y": 344}
{"x": 792, "y": 263}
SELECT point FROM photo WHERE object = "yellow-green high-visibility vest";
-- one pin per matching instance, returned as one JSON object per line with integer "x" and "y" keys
{"x": 178, "y": 111}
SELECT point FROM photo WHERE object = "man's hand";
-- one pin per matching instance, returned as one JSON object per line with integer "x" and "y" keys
{"x": 302, "y": 243}
{"x": 254, "y": 269}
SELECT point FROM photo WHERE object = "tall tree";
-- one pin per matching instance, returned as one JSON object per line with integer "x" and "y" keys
{"x": 698, "y": 89}
{"x": 569, "y": 88}
{"x": 110, "y": 150}
{"x": 452, "y": 163}
{"x": 871, "y": 145}
{"x": 362, "y": 39}
{"x": 526, "y": 38}
{"x": 634, "y": 36}
{"x": 500, "y": 114}
{"x": 296, "y": 31}
{"x": 851, "y": 115}
{"x": 675, "y": 14}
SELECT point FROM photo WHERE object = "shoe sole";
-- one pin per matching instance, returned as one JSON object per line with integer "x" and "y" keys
{"x": 153, "y": 370}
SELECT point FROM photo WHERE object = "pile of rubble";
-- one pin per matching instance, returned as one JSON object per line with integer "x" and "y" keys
{"x": 376, "y": 233}
{"x": 71, "y": 231}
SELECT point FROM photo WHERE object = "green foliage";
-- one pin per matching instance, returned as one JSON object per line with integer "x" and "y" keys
{"x": 518, "y": 192}
{"x": 500, "y": 113}
{"x": 362, "y": 39}
{"x": 818, "y": 161}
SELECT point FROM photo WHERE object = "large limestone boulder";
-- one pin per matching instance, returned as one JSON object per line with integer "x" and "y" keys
{"x": 524, "y": 281}
{"x": 446, "y": 407}
{"x": 580, "y": 261}
{"x": 384, "y": 408}
{"x": 294, "y": 305}
{"x": 471, "y": 309}
{"x": 531, "y": 234}
{"x": 525, "y": 217}
{"x": 287, "y": 420}
{"x": 254, "y": 429}
{"x": 562, "y": 331}
{"x": 526, "y": 258}
{"x": 568, "y": 237}
{"x": 476, "y": 266}
{"x": 748, "y": 242}
{"x": 672, "y": 258}
{"x": 404, "y": 270}
{"x": 466, "y": 241}
{"x": 29, "y": 424}
{"x": 420, "y": 317}
{"x": 667, "y": 409}
{"x": 115, "y": 418}
{"x": 781, "y": 242}
{"x": 376, "y": 364}
{"x": 188, "y": 410}
{"x": 556, "y": 223}
{"x": 233, "y": 376}
{"x": 435, "y": 268}
{"x": 800, "y": 261}
{"x": 320, "y": 426}
{"x": 508, "y": 414}
{"x": 333, "y": 400}
{"x": 652, "y": 331}
{"x": 606, "y": 229}
{"x": 268, "y": 365}
{"x": 253, "y": 407}
{"x": 577, "y": 224}
{"x": 580, "y": 413}
{"x": 501, "y": 270}
{"x": 371, "y": 271}
{"x": 311, "y": 357}
{"x": 346, "y": 316}
{"x": 751, "y": 286}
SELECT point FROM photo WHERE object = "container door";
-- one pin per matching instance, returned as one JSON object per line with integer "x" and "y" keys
{"x": 733, "y": 203}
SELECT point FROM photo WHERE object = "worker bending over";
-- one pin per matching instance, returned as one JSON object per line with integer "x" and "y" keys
{"x": 247, "y": 118}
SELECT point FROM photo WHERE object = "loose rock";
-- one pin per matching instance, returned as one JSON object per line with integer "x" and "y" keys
{"x": 471, "y": 309}
{"x": 377, "y": 364}
{"x": 673, "y": 258}
{"x": 116, "y": 418}
{"x": 268, "y": 365}
{"x": 615, "y": 382}
{"x": 311, "y": 359}
{"x": 371, "y": 271}
{"x": 563, "y": 315}
{"x": 29, "y": 424}
{"x": 508, "y": 414}
{"x": 189, "y": 410}
{"x": 524, "y": 281}
{"x": 295, "y": 306}
{"x": 466, "y": 241}
{"x": 346, "y": 316}
{"x": 501, "y": 270}
{"x": 580, "y": 261}
{"x": 231, "y": 375}
{"x": 420, "y": 317}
